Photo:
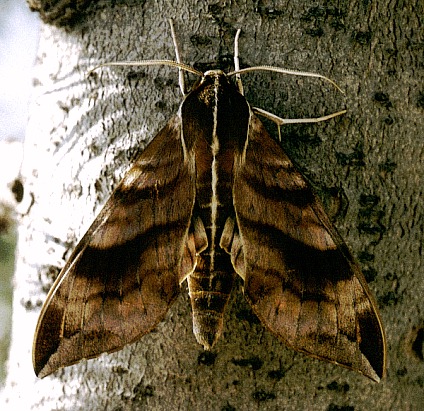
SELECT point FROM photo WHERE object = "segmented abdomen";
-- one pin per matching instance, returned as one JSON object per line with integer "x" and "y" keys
{"x": 211, "y": 283}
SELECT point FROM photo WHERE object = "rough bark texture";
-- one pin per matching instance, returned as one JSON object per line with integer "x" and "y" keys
{"x": 84, "y": 132}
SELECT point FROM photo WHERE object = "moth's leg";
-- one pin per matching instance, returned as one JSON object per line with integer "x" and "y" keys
{"x": 237, "y": 63}
{"x": 280, "y": 121}
{"x": 178, "y": 58}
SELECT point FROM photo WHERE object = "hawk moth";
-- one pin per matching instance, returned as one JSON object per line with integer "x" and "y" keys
{"x": 212, "y": 196}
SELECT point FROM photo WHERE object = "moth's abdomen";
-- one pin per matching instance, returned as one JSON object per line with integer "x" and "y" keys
{"x": 209, "y": 294}
{"x": 211, "y": 283}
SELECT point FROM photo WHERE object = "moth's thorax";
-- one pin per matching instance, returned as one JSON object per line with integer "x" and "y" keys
{"x": 214, "y": 90}
{"x": 215, "y": 122}
{"x": 216, "y": 112}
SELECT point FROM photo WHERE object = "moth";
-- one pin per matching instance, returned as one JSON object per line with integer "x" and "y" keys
{"x": 211, "y": 197}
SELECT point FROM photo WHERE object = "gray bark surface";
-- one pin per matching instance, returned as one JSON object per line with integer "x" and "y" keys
{"x": 84, "y": 132}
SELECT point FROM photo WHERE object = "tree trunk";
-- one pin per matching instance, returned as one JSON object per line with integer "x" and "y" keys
{"x": 84, "y": 132}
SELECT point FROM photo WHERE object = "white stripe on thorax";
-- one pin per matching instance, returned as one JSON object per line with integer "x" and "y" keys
{"x": 214, "y": 199}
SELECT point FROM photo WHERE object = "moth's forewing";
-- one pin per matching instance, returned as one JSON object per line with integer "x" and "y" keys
{"x": 300, "y": 277}
{"x": 125, "y": 272}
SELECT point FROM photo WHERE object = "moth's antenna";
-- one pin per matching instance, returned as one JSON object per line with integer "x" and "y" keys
{"x": 171, "y": 63}
{"x": 237, "y": 62}
{"x": 278, "y": 120}
{"x": 177, "y": 55}
{"x": 284, "y": 71}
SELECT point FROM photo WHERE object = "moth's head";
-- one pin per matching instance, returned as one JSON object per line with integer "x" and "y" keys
{"x": 212, "y": 80}
{"x": 214, "y": 73}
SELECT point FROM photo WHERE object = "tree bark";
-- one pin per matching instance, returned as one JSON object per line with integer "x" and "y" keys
{"x": 84, "y": 131}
